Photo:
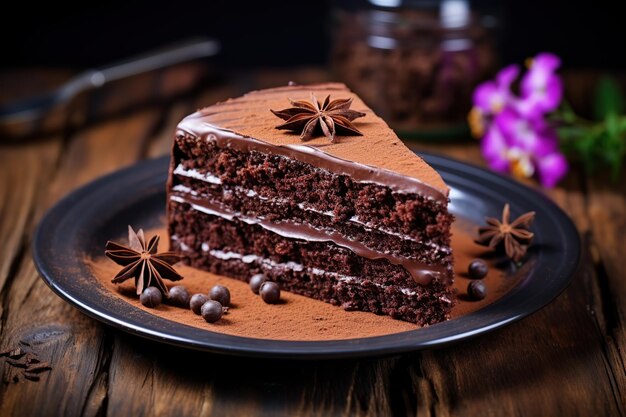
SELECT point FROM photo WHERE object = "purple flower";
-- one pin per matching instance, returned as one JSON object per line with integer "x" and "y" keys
{"x": 523, "y": 147}
{"x": 491, "y": 97}
{"x": 494, "y": 148}
{"x": 551, "y": 168}
{"x": 541, "y": 89}
{"x": 517, "y": 139}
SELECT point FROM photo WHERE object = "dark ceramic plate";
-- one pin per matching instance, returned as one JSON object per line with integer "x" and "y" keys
{"x": 81, "y": 222}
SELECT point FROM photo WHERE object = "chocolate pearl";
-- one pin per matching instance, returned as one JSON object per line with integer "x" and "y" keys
{"x": 196, "y": 301}
{"x": 270, "y": 292}
{"x": 477, "y": 290}
{"x": 424, "y": 277}
{"x": 220, "y": 293}
{"x": 477, "y": 269}
{"x": 179, "y": 296}
{"x": 211, "y": 311}
{"x": 151, "y": 297}
{"x": 256, "y": 281}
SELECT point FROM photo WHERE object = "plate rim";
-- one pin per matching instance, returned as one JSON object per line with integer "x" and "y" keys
{"x": 360, "y": 347}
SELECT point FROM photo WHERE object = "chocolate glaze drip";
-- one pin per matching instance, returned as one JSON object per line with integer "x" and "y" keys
{"x": 422, "y": 273}
{"x": 310, "y": 155}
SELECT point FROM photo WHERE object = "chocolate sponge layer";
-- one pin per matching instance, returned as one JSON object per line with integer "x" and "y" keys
{"x": 241, "y": 202}
{"x": 319, "y": 270}
{"x": 277, "y": 177}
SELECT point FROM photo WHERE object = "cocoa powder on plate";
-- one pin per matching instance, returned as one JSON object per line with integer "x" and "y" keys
{"x": 298, "y": 317}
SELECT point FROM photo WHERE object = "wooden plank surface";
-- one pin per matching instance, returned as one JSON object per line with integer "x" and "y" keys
{"x": 544, "y": 364}
{"x": 567, "y": 359}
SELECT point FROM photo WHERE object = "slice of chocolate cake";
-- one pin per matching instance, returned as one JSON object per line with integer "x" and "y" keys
{"x": 360, "y": 222}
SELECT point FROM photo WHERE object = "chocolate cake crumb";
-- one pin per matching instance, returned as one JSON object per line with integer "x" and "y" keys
{"x": 31, "y": 377}
{"x": 16, "y": 353}
{"x": 27, "y": 361}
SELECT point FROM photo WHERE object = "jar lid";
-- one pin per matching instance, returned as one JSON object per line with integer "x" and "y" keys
{"x": 413, "y": 4}
{"x": 453, "y": 14}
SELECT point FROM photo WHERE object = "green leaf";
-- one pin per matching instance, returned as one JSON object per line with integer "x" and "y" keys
{"x": 597, "y": 145}
{"x": 565, "y": 113}
{"x": 608, "y": 99}
{"x": 612, "y": 143}
{"x": 611, "y": 120}
{"x": 570, "y": 133}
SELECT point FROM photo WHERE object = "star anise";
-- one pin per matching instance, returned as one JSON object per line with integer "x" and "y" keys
{"x": 331, "y": 116}
{"x": 514, "y": 236}
{"x": 142, "y": 262}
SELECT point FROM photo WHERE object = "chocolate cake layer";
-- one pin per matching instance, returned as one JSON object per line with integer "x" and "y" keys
{"x": 385, "y": 241}
{"x": 320, "y": 270}
{"x": 361, "y": 225}
{"x": 422, "y": 272}
{"x": 274, "y": 177}
{"x": 239, "y": 235}
{"x": 278, "y": 207}
{"x": 377, "y": 154}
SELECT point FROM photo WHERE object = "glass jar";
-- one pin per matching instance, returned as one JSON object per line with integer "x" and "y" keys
{"x": 415, "y": 63}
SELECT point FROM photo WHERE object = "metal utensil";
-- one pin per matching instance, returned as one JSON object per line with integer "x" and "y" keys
{"x": 44, "y": 112}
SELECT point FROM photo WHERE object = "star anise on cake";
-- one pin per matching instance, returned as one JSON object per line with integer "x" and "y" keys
{"x": 142, "y": 262}
{"x": 330, "y": 117}
{"x": 513, "y": 236}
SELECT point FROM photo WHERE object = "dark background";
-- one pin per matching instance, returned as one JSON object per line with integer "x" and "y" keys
{"x": 283, "y": 33}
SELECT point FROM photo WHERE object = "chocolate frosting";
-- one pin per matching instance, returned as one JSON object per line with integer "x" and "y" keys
{"x": 312, "y": 155}
{"x": 378, "y": 154}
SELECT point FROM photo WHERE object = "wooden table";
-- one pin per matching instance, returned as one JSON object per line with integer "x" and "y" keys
{"x": 567, "y": 359}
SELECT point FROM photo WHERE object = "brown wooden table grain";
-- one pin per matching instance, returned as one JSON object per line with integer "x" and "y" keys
{"x": 567, "y": 359}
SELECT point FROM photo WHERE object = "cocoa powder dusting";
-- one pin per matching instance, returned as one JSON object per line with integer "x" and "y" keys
{"x": 298, "y": 317}
{"x": 379, "y": 146}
